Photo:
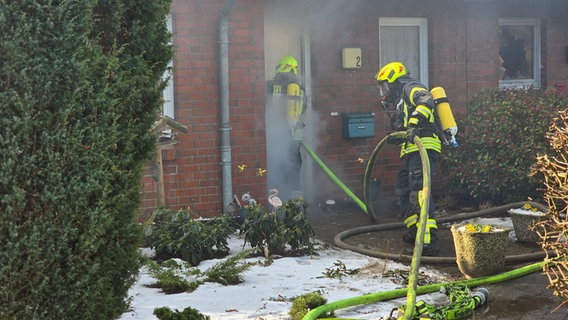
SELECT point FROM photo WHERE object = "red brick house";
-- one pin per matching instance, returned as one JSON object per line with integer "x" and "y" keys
{"x": 227, "y": 49}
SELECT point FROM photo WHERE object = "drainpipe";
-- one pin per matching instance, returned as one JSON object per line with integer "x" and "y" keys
{"x": 225, "y": 130}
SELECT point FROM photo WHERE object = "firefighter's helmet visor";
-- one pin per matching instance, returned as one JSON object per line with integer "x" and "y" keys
{"x": 383, "y": 88}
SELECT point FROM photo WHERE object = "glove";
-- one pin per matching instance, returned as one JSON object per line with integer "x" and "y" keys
{"x": 411, "y": 132}
{"x": 393, "y": 140}
{"x": 397, "y": 122}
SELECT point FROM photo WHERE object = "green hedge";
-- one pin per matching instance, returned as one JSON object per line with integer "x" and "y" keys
{"x": 500, "y": 138}
{"x": 80, "y": 85}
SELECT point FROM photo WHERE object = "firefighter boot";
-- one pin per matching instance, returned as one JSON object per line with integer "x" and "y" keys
{"x": 429, "y": 250}
{"x": 410, "y": 235}
{"x": 431, "y": 243}
{"x": 432, "y": 248}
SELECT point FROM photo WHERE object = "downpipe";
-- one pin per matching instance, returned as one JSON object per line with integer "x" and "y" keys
{"x": 225, "y": 130}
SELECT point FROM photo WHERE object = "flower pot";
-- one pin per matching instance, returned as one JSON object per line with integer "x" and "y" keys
{"x": 523, "y": 223}
{"x": 479, "y": 253}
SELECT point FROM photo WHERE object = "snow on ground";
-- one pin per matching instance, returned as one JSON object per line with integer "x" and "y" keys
{"x": 267, "y": 291}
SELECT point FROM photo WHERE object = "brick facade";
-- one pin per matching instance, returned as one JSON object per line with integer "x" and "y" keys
{"x": 192, "y": 173}
{"x": 463, "y": 45}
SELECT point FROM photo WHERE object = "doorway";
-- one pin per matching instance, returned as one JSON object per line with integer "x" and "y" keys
{"x": 287, "y": 33}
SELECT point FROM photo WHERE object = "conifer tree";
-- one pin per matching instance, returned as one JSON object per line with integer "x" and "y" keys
{"x": 80, "y": 86}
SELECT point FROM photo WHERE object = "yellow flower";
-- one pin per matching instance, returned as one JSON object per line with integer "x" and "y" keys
{"x": 528, "y": 207}
{"x": 470, "y": 227}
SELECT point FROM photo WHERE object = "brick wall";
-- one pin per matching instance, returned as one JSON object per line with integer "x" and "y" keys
{"x": 337, "y": 91}
{"x": 555, "y": 58}
{"x": 463, "y": 58}
{"x": 192, "y": 173}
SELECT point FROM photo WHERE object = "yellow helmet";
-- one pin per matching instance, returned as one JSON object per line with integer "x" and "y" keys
{"x": 391, "y": 72}
{"x": 287, "y": 64}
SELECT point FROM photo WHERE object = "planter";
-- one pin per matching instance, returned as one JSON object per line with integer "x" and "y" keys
{"x": 523, "y": 223}
{"x": 480, "y": 253}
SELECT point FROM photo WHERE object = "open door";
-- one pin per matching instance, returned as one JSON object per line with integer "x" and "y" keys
{"x": 285, "y": 33}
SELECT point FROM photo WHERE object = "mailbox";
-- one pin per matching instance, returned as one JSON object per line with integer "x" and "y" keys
{"x": 358, "y": 125}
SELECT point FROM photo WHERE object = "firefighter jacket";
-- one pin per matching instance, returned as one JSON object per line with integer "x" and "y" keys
{"x": 416, "y": 108}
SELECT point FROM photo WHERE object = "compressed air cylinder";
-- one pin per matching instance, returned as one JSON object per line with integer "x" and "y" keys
{"x": 444, "y": 112}
{"x": 443, "y": 108}
{"x": 295, "y": 107}
{"x": 294, "y": 93}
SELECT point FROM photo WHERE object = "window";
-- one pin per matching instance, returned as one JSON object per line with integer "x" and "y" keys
{"x": 168, "y": 94}
{"x": 405, "y": 40}
{"x": 519, "y": 51}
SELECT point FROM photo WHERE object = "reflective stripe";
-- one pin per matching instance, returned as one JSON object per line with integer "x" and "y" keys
{"x": 427, "y": 236}
{"x": 413, "y": 121}
{"x": 429, "y": 143}
{"x": 277, "y": 89}
{"x": 411, "y": 221}
{"x": 412, "y": 91}
{"x": 425, "y": 111}
{"x": 430, "y": 224}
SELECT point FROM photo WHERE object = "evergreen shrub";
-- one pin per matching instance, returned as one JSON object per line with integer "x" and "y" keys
{"x": 175, "y": 234}
{"x": 285, "y": 231}
{"x": 500, "y": 139}
{"x": 172, "y": 277}
{"x": 80, "y": 86}
{"x": 165, "y": 313}
{"x": 303, "y": 304}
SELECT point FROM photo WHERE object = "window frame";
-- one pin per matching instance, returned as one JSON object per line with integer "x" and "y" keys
{"x": 168, "y": 106}
{"x": 535, "y": 81}
{"x": 422, "y": 24}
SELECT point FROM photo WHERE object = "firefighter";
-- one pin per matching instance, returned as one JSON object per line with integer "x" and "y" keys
{"x": 414, "y": 114}
{"x": 285, "y": 128}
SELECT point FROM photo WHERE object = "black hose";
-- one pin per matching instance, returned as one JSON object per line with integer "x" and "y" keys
{"x": 338, "y": 240}
{"x": 495, "y": 211}
{"x": 367, "y": 178}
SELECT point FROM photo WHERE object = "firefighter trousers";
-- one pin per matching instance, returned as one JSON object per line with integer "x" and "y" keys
{"x": 409, "y": 192}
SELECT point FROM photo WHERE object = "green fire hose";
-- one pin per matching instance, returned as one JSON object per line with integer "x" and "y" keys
{"x": 421, "y": 228}
{"x": 412, "y": 289}
{"x": 367, "y": 177}
{"x": 334, "y": 178}
{"x": 398, "y": 293}
{"x": 424, "y": 208}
